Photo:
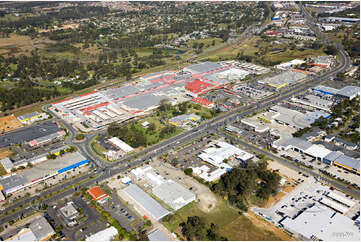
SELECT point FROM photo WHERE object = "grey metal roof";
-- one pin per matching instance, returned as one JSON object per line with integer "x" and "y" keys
{"x": 348, "y": 161}
{"x": 204, "y": 67}
{"x": 12, "y": 181}
{"x": 312, "y": 117}
{"x": 291, "y": 117}
{"x": 48, "y": 137}
{"x": 349, "y": 91}
{"x": 182, "y": 76}
{"x": 213, "y": 77}
{"x": 150, "y": 86}
{"x": 154, "y": 74}
{"x": 146, "y": 201}
{"x": 143, "y": 102}
{"x": 41, "y": 228}
{"x": 6, "y": 163}
{"x": 344, "y": 142}
{"x": 332, "y": 156}
{"x": 234, "y": 129}
{"x": 158, "y": 235}
{"x": 299, "y": 143}
{"x": 27, "y": 134}
{"x": 284, "y": 77}
{"x": 119, "y": 92}
{"x": 325, "y": 89}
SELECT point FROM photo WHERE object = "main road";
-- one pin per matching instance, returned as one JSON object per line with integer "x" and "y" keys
{"x": 110, "y": 169}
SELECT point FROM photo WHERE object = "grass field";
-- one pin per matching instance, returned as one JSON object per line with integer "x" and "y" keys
{"x": 21, "y": 44}
{"x": 36, "y": 108}
{"x": 5, "y": 152}
{"x": 252, "y": 45}
{"x": 98, "y": 148}
{"x": 232, "y": 225}
{"x": 2, "y": 170}
{"x": 153, "y": 137}
{"x": 207, "y": 41}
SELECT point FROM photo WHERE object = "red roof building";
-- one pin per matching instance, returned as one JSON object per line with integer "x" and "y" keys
{"x": 197, "y": 86}
{"x": 202, "y": 101}
{"x": 98, "y": 194}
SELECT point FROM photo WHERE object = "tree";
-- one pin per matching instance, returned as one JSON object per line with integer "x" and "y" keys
{"x": 331, "y": 50}
{"x": 164, "y": 105}
{"x": 188, "y": 171}
{"x": 151, "y": 127}
{"x": 79, "y": 136}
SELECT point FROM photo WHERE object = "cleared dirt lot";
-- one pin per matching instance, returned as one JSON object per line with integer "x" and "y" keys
{"x": 4, "y": 152}
{"x": 207, "y": 200}
{"x": 283, "y": 170}
{"x": 265, "y": 225}
{"x": 9, "y": 123}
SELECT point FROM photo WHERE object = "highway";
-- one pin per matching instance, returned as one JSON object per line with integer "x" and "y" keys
{"x": 106, "y": 169}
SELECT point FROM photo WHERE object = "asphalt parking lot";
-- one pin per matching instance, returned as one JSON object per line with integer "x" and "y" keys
{"x": 263, "y": 140}
{"x": 120, "y": 212}
{"x": 30, "y": 133}
{"x": 188, "y": 156}
{"x": 93, "y": 224}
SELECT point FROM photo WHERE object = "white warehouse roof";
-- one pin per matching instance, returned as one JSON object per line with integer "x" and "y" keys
{"x": 121, "y": 144}
{"x": 341, "y": 199}
{"x": 104, "y": 235}
{"x": 173, "y": 194}
{"x": 216, "y": 155}
{"x": 317, "y": 151}
{"x": 320, "y": 222}
{"x": 158, "y": 235}
{"x": 146, "y": 201}
{"x": 334, "y": 205}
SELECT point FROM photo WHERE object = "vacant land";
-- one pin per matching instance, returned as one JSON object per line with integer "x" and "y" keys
{"x": 251, "y": 46}
{"x": 273, "y": 232}
{"x": 231, "y": 224}
{"x": 5, "y": 152}
{"x": 9, "y": 123}
{"x": 21, "y": 44}
{"x": 2, "y": 170}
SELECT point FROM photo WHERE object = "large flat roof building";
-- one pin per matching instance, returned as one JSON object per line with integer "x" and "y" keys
{"x": 284, "y": 79}
{"x": 349, "y": 92}
{"x": 39, "y": 230}
{"x": 146, "y": 201}
{"x": 120, "y": 144}
{"x": 290, "y": 117}
{"x": 158, "y": 235}
{"x": 42, "y": 171}
{"x": 322, "y": 223}
{"x": 103, "y": 235}
{"x": 173, "y": 194}
{"x": 27, "y": 134}
{"x": 203, "y": 67}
